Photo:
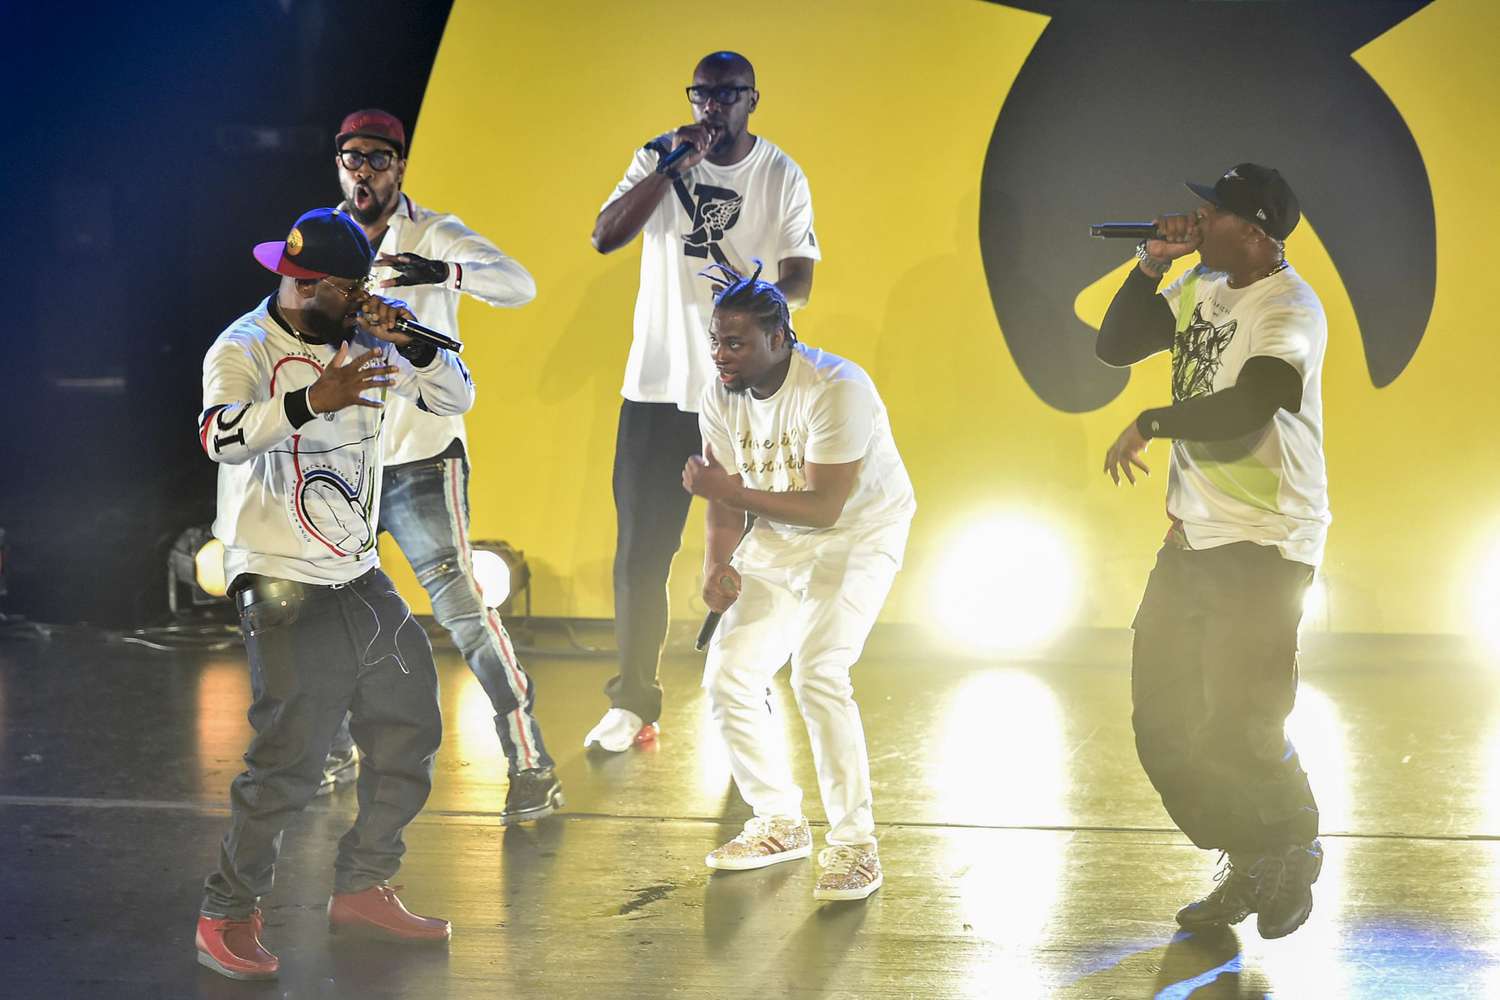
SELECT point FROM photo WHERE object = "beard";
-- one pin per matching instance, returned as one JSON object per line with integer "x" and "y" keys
{"x": 321, "y": 328}
{"x": 373, "y": 208}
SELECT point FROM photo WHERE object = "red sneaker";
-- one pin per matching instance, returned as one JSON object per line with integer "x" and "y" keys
{"x": 647, "y": 734}
{"x": 377, "y": 913}
{"x": 232, "y": 948}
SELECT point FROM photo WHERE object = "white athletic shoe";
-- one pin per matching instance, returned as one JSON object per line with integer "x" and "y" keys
{"x": 848, "y": 873}
{"x": 615, "y": 732}
{"x": 766, "y": 840}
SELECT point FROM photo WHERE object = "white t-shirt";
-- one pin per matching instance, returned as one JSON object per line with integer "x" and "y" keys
{"x": 299, "y": 498}
{"x": 1270, "y": 487}
{"x": 759, "y": 208}
{"x": 826, "y": 412}
{"x": 475, "y": 267}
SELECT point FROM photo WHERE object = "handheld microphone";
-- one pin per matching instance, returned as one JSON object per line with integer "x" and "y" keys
{"x": 1125, "y": 230}
{"x": 710, "y": 622}
{"x": 431, "y": 336}
{"x": 674, "y": 157}
{"x": 671, "y": 159}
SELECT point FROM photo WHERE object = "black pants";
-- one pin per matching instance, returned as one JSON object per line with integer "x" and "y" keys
{"x": 315, "y": 654}
{"x": 1213, "y": 680}
{"x": 653, "y": 444}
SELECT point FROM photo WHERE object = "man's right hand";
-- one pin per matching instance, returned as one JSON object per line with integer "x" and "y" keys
{"x": 343, "y": 381}
{"x": 721, "y": 587}
{"x": 1181, "y": 237}
{"x": 700, "y": 137}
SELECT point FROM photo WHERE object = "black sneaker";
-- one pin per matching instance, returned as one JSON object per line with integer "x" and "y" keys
{"x": 341, "y": 768}
{"x": 1283, "y": 888}
{"x": 1232, "y": 900}
{"x": 533, "y": 794}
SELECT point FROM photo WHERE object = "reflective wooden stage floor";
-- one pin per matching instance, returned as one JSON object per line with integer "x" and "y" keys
{"x": 1025, "y": 853}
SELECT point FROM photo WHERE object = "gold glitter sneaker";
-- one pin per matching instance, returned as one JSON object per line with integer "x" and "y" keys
{"x": 848, "y": 873}
{"x": 766, "y": 840}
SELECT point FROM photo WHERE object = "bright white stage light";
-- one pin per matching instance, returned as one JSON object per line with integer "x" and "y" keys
{"x": 208, "y": 568}
{"x": 1315, "y": 605}
{"x": 493, "y": 575}
{"x": 1008, "y": 583}
{"x": 1486, "y": 607}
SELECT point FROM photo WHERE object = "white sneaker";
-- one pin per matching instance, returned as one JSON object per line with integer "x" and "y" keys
{"x": 615, "y": 732}
{"x": 766, "y": 840}
{"x": 848, "y": 873}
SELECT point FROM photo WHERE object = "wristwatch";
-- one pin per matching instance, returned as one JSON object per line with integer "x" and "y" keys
{"x": 1153, "y": 265}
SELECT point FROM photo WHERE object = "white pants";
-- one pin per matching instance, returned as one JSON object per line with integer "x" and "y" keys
{"x": 818, "y": 611}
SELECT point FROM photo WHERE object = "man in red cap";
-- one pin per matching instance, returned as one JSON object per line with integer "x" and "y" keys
{"x": 293, "y": 395}
{"x": 437, "y": 260}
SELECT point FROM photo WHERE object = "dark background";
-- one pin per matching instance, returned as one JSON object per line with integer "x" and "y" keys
{"x": 150, "y": 148}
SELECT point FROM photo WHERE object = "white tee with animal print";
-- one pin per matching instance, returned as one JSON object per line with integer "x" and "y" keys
{"x": 1271, "y": 486}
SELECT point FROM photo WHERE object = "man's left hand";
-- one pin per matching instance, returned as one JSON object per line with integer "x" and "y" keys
{"x": 706, "y": 478}
{"x": 414, "y": 270}
{"x": 377, "y": 317}
{"x": 1124, "y": 453}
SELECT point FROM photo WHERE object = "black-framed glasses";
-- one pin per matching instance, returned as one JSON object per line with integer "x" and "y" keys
{"x": 378, "y": 159}
{"x": 699, "y": 94}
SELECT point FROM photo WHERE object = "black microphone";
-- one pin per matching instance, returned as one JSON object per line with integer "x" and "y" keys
{"x": 1125, "y": 230}
{"x": 710, "y": 622}
{"x": 671, "y": 160}
{"x": 431, "y": 336}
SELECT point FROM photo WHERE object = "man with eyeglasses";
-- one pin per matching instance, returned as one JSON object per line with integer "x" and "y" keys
{"x": 292, "y": 413}
{"x": 437, "y": 259}
{"x": 732, "y": 199}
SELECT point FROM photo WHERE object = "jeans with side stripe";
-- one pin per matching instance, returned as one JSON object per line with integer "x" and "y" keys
{"x": 425, "y": 507}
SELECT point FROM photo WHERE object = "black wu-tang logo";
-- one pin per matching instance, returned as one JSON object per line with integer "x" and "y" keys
{"x": 1197, "y": 355}
{"x": 1088, "y": 133}
{"x": 714, "y": 211}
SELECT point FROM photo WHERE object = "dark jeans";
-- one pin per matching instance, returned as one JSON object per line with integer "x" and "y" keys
{"x": 425, "y": 507}
{"x": 653, "y": 444}
{"x": 314, "y": 657}
{"x": 1213, "y": 680}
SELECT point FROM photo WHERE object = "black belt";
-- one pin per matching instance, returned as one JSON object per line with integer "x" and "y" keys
{"x": 251, "y": 588}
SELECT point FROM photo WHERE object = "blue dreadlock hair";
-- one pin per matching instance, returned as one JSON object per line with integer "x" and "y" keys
{"x": 762, "y": 300}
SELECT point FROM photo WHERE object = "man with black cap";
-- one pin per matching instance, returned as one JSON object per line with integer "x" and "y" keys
{"x": 1214, "y": 671}
{"x": 292, "y": 411}
{"x": 436, "y": 259}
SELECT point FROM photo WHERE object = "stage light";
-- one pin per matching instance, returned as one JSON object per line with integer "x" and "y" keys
{"x": 1315, "y": 613}
{"x": 502, "y": 574}
{"x": 195, "y": 571}
{"x": 1486, "y": 600}
{"x": 1008, "y": 584}
{"x": 208, "y": 568}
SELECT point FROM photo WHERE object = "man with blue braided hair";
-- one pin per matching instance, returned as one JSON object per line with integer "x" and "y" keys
{"x": 800, "y": 439}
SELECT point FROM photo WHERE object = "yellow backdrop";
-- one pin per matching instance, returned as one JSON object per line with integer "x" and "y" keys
{"x": 530, "y": 118}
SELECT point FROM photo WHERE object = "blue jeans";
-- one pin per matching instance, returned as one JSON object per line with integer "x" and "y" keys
{"x": 425, "y": 507}
{"x": 319, "y": 655}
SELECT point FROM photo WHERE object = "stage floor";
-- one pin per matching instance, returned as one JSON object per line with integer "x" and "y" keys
{"x": 1025, "y": 853}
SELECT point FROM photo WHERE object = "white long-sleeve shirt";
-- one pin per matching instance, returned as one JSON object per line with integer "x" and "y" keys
{"x": 299, "y": 494}
{"x": 475, "y": 267}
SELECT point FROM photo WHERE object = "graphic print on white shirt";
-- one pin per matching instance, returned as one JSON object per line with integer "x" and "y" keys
{"x": 1197, "y": 355}
{"x": 1271, "y": 486}
{"x": 828, "y": 412}
{"x": 301, "y": 501}
{"x": 759, "y": 208}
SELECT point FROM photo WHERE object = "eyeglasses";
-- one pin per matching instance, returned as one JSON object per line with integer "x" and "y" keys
{"x": 378, "y": 159}
{"x": 699, "y": 94}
